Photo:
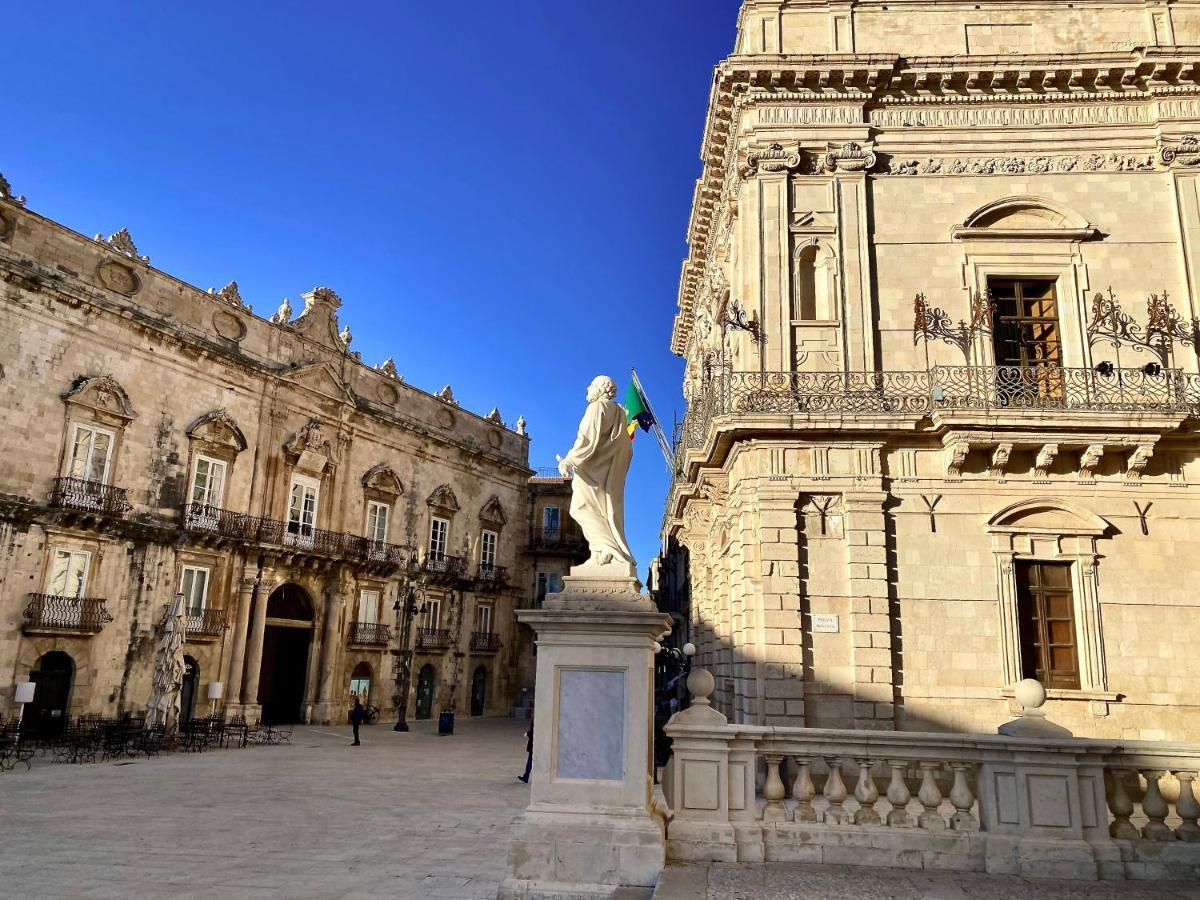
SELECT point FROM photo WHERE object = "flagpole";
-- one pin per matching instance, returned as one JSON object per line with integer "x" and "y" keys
{"x": 663, "y": 444}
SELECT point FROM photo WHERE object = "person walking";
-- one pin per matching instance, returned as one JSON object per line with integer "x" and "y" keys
{"x": 529, "y": 754}
{"x": 357, "y": 716}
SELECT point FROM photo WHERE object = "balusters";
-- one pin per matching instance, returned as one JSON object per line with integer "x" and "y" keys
{"x": 835, "y": 792}
{"x": 1187, "y": 808}
{"x": 1154, "y": 805}
{"x": 867, "y": 795}
{"x": 1121, "y": 806}
{"x": 803, "y": 791}
{"x": 930, "y": 796}
{"x": 963, "y": 799}
{"x": 773, "y": 791}
{"x": 899, "y": 796}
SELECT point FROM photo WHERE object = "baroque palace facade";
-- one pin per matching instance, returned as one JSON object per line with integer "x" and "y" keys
{"x": 159, "y": 439}
{"x": 941, "y": 335}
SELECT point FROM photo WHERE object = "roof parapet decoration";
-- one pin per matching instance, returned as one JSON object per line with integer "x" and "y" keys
{"x": 7, "y": 194}
{"x": 319, "y": 320}
{"x": 230, "y": 295}
{"x": 122, "y": 242}
{"x": 388, "y": 368}
{"x": 447, "y": 394}
{"x": 283, "y": 315}
{"x": 913, "y": 87}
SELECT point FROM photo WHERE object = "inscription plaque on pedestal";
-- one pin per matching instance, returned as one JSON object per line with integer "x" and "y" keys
{"x": 590, "y": 737}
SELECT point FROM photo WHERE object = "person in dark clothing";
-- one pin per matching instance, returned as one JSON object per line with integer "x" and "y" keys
{"x": 357, "y": 716}
{"x": 529, "y": 752}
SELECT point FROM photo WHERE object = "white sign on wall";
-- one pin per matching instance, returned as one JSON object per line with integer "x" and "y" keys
{"x": 825, "y": 623}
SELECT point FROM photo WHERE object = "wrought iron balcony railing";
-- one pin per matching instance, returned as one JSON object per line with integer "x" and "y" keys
{"x": 57, "y": 613}
{"x": 367, "y": 550}
{"x": 89, "y": 496}
{"x": 445, "y": 567}
{"x": 484, "y": 642}
{"x": 433, "y": 638}
{"x": 983, "y": 388}
{"x": 369, "y": 633}
{"x": 566, "y": 538}
{"x": 318, "y": 540}
{"x": 492, "y": 576}
{"x": 199, "y": 517}
{"x": 205, "y": 623}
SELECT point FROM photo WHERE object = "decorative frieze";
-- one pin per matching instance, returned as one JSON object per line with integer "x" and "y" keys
{"x": 1029, "y": 164}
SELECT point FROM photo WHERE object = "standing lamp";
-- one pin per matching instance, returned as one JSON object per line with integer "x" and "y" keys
{"x": 216, "y": 690}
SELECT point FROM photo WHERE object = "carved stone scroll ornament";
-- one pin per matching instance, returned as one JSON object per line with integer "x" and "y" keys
{"x": 122, "y": 242}
{"x": 1089, "y": 460}
{"x": 231, "y": 295}
{"x": 957, "y": 458}
{"x": 1045, "y": 460}
{"x": 849, "y": 157}
{"x": 1138, "y": 461}
{"x": 1000, "y": 460}
{"x": 772, "y": 161}
{"x": 1184, "y": 153}
{"x": 7, "y": 194}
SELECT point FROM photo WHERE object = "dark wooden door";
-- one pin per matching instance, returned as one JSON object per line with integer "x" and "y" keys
{"x": 479, "y": 691}
{"x": 53, "y": 676}
{"x": 425, "y": 692}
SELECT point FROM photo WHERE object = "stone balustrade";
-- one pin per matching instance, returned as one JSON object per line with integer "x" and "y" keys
{"x": 1035, "y": 806}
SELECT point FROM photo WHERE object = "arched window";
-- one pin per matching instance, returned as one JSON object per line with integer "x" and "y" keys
{"x": 814, "y": 283}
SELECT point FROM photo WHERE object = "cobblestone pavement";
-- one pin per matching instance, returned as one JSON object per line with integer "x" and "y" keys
{"x": 778, "y": 881}
{"x": 403, "y": 816}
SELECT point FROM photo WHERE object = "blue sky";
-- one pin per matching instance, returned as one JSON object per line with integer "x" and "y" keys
{"x": 498, "y": 191}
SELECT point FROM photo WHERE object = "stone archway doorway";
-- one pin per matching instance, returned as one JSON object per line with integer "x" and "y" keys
{"x": 287, "y": 641}
{"x": 54, "y": 675}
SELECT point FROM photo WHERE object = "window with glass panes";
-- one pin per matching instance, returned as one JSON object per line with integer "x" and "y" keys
{"x": 208, "y": 482}
{"x": 551, "y": 519}
{"x": 91, "y": 449}
{"x": 487, "y": 550}
{"x": 193, "y": 584}
{"x": 1026, "y": 325}
{"x": 68, "y": 573}
{"x": 1046, "y": 616}
{"x": 368, "y": 607}
{"x": 439, "y": 529}
{"x": 302, "y": 505}
{"x": 377, "y": 521}
{"x": 433, "y": 613}
{"x": 483, "y": 618}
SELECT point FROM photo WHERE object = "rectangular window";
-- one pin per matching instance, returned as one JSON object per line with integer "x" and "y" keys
{"x": 68, "y": 573}
{"x": 547, "y": 583}
{"x": 1027, "y": 334}
{"x": 208, "y": 482}
{"x": 302, "y": 509}
{"x": 377, "y": 522}
{"x": 433, "y": 613}
{"x": 487, "y": 550}
{"x": 194, "y": 587}
{"x": 1046, "y": 615}
{"x": 550, "y": 519}
{"x": 368, "y": 607}
{"x": 90, "y": 452}
{"x": 483, "y": 618}
{"x": 439, "y": 529}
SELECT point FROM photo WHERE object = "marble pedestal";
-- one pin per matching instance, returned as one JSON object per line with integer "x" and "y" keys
{"x": 588, "y": 830}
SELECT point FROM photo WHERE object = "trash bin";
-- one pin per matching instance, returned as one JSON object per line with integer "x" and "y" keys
{"x": 446, "y": 722}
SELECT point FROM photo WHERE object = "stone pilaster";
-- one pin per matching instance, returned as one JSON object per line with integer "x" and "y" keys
{"x": 782, "y": 662}
{"x": 335, "y": 601}
{"x": 254, "y": 651}
{"x": 870, "y": 616}
{"x": 237, "y": 656}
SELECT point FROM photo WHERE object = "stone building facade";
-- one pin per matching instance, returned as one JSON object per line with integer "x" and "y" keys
{"x": 160, "y": 439}
{"x": 941, "y": 337}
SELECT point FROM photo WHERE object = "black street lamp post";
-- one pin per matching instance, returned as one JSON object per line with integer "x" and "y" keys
{"x": 409, "y": 602}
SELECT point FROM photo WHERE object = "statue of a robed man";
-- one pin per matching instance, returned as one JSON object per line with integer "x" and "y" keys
{"x": 598, "y": 463}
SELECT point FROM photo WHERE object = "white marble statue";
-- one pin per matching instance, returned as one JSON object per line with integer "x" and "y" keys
{"x": 597, "y": 466}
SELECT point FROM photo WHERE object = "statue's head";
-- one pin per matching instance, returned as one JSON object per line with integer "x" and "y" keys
{"x": 602, "y": 387}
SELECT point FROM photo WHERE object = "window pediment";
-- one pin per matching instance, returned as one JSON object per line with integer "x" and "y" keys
{"x": 1054, "y": 517}
{"x": 102, "y": 396}
{"x": 218, "y": 429}
{"x": 443, "y": 500}
{"x": 493, "y": 512}
{"x": 1024, "y": 218}
{"x": 382, "y": 480}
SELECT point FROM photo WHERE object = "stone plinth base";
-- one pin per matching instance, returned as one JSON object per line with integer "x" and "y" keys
{"x": 560, "y": 855}
{"x": 589, "y": 830}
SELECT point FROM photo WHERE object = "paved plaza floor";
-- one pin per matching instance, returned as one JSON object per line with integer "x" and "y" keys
{"x": 402, "y": 816}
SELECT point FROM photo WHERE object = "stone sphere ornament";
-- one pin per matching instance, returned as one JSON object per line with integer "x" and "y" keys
{"x": 1030, "y": 693}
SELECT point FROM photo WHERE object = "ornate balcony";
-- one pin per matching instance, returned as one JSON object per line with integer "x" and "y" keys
{"x": 491, "y": 578}
{"x": 89, "y": 496}
{"x": 444, "y": 568}
{"x": 318, "y": 540}
{"x": 381, "y": 552}
{"x": 370, "y": 633}
{"x": 484, "y": 642}
{"x": 205, "y": 625}
{"x": 558, "y": 539}
{"x": 54, "y": 614}
{"x": 433, "y": 638}
{"x": 213, "y": 521}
